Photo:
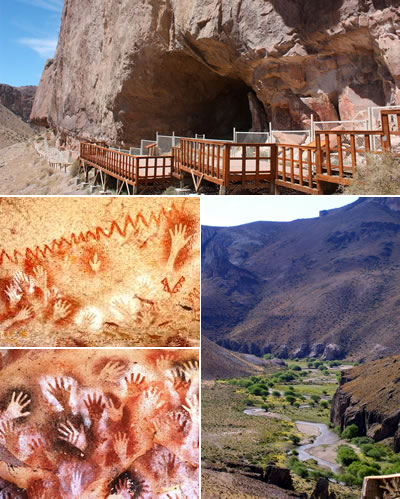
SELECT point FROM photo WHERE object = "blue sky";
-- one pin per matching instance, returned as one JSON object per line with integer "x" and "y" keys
{"x": 28, "y": 37}
{"x": 226, "y": 211}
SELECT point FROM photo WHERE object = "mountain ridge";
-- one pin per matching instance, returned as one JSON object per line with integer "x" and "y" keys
{"x": 309, "y": 287}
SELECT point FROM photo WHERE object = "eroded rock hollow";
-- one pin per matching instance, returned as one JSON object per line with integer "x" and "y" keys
{"x": 123, "y": 71}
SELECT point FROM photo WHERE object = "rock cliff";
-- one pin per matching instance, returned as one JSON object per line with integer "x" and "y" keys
{"x": 124, "y": 70}
{"x": 369, "y": 397}
{"x": 19, "y": 100}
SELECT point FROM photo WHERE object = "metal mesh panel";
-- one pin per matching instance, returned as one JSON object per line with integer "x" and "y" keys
{"x": 135, "y": 151}
{"x": 143, "y": 144}
{"x": 165, "y": 143}
{"x": 251, "y": 137}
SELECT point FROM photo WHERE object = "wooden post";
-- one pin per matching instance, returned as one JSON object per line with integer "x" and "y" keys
{"x": 386, "y": 132}
{"x": 274, "y": 167}
{"x": 226, "y": 165}
{"x": 135, "y": 187}
{"x": 318, "y": 154}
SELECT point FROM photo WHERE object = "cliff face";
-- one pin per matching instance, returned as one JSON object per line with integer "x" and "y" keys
{"x": 369, "y": 397}
{"x": 324, "y": 287}
{"x": 19, "y": 100}
{"x": 124, "y": 70}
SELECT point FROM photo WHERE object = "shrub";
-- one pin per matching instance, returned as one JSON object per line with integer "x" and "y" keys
{"x": 350, "y": 432}
{"x": 258, "y": 389}
{"x": 361, "y": 440}
{"x": 360, "y": 469}
{"x": 291, "y": 399}
{"x": 295, "y": 439}
{"x": 74, "y": 168}
{"x": 268, "y": 356}
{"x": 294, "y": 367}
{"x": 346, "y": 455}
{"x": 276, "y": 394}
{"x": 324, "y": 404}
{"x": 315, "y": 398}
{"x": 391, "y": 469}
{"x": 379, "y": 175}
{"x": 287, "y": 376}
{"x": 265, "y": 407}
{"x": 373, "y": 451}
{"x": 298, "y": 467}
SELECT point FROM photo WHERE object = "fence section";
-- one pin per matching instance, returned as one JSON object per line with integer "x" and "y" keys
{"x": 296, "y": 167}
{"x": 134, "y": 170}
{"x": 339, "y": 152}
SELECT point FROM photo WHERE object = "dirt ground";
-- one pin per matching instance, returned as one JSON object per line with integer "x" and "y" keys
{"x": 23, "y": 172}
{"x": 232, "y": 485}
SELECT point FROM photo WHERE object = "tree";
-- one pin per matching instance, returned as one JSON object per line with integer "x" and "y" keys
{"x": 350, "y": 432}
{"x": 291, "y": 399}
{"x": 346, "y": 455}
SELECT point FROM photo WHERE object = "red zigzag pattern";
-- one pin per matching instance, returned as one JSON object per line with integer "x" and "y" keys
{"x": 96, "y": 235}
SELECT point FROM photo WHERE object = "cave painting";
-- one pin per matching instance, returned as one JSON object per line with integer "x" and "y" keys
{"x": 99, "y": 272}
{"x": 94, "y": 424}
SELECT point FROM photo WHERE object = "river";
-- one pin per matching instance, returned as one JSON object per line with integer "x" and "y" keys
{"x": 326, "y": 437}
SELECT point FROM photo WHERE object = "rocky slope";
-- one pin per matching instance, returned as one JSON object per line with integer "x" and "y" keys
{"x": 219, "y": 363}
{"x": 19, "y": 100}
{"x": 369, "y": 397}
{"x": 325, "y": 287}
{"x": 122, "y": 71}
{"x": 12, "y": 128}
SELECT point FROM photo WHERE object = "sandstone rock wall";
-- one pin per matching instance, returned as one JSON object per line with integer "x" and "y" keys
{"x": 124, "y": 70}
{"x": 19, "y": 100}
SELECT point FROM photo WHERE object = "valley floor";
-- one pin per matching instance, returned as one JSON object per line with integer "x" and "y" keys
{"x": 231, "y": 436}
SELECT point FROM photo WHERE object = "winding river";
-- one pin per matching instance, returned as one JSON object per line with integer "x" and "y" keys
{"x": 325, "y": 437}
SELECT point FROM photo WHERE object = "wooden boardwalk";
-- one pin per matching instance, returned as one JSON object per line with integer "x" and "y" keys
{"x": 317, "y": 168}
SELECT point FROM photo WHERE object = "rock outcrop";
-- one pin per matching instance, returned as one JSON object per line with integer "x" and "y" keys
{"x": 369, "y": 397}
{"x": 321, "y": 490}
{"x": 19, "y": 100}
{"x": 123, "y": 71}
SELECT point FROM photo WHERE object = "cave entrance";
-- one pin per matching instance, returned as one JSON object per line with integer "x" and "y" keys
{"x": 183, "y": 95}
{"x": 229, "y": 109}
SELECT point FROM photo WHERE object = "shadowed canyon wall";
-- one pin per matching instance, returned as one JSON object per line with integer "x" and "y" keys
{"x": 124, "y": 70}
{"x": 19, "y": 100}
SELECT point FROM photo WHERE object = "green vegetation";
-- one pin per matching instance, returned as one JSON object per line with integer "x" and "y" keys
{"x": 294, "y": 391}
{"x": 346, "y": 455}
{"x": 370, "y": 458}
{"x": 350, "y": 432}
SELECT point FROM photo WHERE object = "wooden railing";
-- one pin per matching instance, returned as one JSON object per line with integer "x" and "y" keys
{"x": 331, "y": 159}
{"x": 296, "y": 167}
{"x": 391, "y": 129}
{"x": 203, "y": 158}
{"x": 132, "y": 169}
{"x": 340, "y": 151}
{"x": 251, "y": 164}
{"x": 226, "y": 162}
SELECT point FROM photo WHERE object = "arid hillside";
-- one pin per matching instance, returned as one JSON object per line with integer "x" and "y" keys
{"x": 220, "y": 363}
{"x": 12, "y": 128}
{"x": 124, "y": 70}
{"x": 369, "y": 396}
{"x": 324, "y": 287}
